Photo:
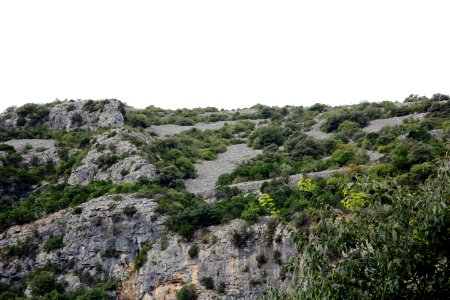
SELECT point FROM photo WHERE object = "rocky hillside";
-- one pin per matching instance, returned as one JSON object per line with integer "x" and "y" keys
{"x": 100, "y": 200}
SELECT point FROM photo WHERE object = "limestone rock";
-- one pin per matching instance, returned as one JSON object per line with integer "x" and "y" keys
{"x": 122, "y": 144}
{"x": 43, "y": 151}
{"x": 71, "y": 115}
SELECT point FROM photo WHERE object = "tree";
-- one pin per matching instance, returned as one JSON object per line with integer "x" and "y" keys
{"x": 394, "y": 245}
{"x": 265, "y": 136}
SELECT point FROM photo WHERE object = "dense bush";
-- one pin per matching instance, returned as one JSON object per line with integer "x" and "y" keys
{"x": 193, "y": 251}
{"x": 266, "y": 135}
{"x": 261, "y": 259}
{"x": 333, "y": 121}
{"x": 44, "y": 282}
{"x": 303, "y": 145}
{"x": 240, "y": 237}
{"x": 207, "y": 282}
{"x": 192, "y": 217}
{"x": 187, "y": 292}
{"x": 53, "y": 242}
{"x": 375, "y": 253}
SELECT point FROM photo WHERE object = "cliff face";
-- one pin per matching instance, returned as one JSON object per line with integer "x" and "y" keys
{"x": 84, "y": 115}
{"x": 128, "y": 163}
{"x": 123, "y": 235}
{"x": 67, "y": 115}
{"x": 105, "y": 235}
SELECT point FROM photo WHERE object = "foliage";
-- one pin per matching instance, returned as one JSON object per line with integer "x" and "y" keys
{"x": 221, "y": 288}
{"x": 394, "y": 247}
{"x": 23, "y": 248}
{"x": 129, "y": 210}
{"x": 306, "y": 185}
{"x": 187, "y": 292}
{"x": 141, "y": 257}
{"x": 207, "y": 282}
{"x": 261, "y": 259}
{"x": 53, "y": 242}
{"x": 193, "y": 251}
{"x": 93, "y": 106}
{"x": 197, "y": 215}
{"x": 352, "y": 199}
{"x": 44, "y": 282}
{"x": 267, "y": 135}
{"x": 240, "y": 237}
{"x": 266, "y": 201}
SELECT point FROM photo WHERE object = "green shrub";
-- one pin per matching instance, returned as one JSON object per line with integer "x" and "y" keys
{"x": 374, "y": 272}
{"x": 141, "y": 257}
{"x": 265, "y": 136}
{"x": 382, "y": 169}
{"x": 77, "y": 210}
{"x": 24, "y": 248}
{"x": 53, "y": 242}
{"x": 187, "y": 292}
{"x": 239, "y": 238}
{"x": 187, "y": 231}
{"x": 420, "y": 172}
{"x": 186, "y": 167}
{"x": 168, "y": 176}
{"x": 44, "y": 282}
{"x": 107, "y": 160}
{"x": 333, "y": 121}
{"x": 7, "y": 148}
{"x": 129, "y": 210}
{"x": 193, "y": 251}
{"x": 277, "y": 257}
{"x": 221, "y": 288}
{"x": 261, "y": 259}
{"x": 207, "y": 282}
{"x": 207, "y": 154}
{"x": 224, "y": 179}
{"x": 251, "y": 214}
{"x": 93, "y": 106}
{"x": 349, "y": 128}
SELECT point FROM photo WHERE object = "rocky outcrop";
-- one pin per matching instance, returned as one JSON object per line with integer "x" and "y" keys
{"x": 121, "y": 148}
{"x": 377, "y": 125}
{"x": 36, "y": 151}
{"x": 128, "y": 170}
{"x": 171, "y": 129}
{"x": 89, "y": 114}
{"x": 105, "y": 234}
{"x": 237, "y": 268}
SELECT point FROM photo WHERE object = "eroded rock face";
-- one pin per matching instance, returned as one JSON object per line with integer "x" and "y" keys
{"x": 102, "y": 233}
{"x": 244, "y": 278}
{"x": 128, "y": 170}
{"x": 105, "y": 234}
{"x": 38, "y": 151}
{"x": 127, "y": 165}
{"x": 71, "y": 115}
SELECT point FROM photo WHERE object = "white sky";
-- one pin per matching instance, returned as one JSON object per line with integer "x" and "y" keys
{"x": 223, "y": 53}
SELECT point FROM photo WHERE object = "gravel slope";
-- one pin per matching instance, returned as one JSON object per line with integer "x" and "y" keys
{"x": 209, "y": 171}
{"x": 171, "y": 129}
{"x": 377, "y": 125}
{"x": 315, "y": 131}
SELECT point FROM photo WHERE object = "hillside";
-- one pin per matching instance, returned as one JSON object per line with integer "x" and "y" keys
{"x": 99, "y": 200}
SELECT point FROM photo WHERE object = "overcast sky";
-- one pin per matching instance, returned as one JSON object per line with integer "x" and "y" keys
{"x": 223, "y": 53}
